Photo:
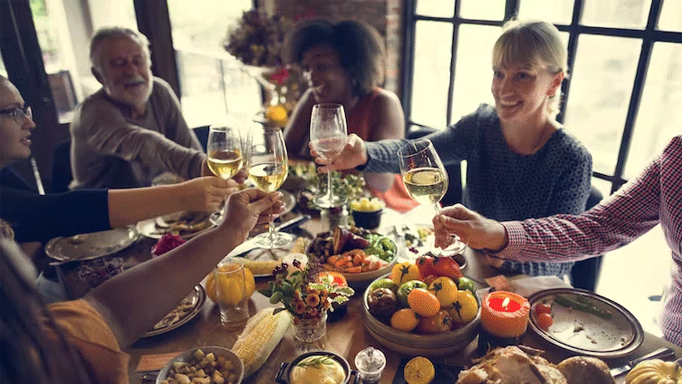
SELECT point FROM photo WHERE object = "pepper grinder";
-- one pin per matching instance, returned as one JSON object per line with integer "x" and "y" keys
{"x": 370, "y": 362}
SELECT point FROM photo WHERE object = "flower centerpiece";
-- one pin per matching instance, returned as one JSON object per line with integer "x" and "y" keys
{"x": 304, "y": 292}
{"x": 307, "y": 295}
{"x": 257, "y": 42}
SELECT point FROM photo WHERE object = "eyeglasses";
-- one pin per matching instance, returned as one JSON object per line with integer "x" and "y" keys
{"x": 18, "y": 114}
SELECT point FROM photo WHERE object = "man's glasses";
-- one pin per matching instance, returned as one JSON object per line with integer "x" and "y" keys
{"x": 18, "y": 114}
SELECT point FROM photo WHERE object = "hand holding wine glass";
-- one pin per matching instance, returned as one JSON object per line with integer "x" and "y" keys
{"x": 268, "y": 166}
{"x": 423, "y": 172}
{"x": 328, "y": 136}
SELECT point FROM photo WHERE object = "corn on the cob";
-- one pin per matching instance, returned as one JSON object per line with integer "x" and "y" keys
{"x": 261, "y": 335}
{"x": 261, "y": 267}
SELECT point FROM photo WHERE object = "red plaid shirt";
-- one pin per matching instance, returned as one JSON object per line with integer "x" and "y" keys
{"x": 654, "y": 197}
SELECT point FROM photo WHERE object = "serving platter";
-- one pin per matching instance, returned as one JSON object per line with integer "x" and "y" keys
{"x": 90, "y": 246}
{"x": 185, "y": 311}
{"x": 156, "y": 227}
{"x": 585, "y": 332}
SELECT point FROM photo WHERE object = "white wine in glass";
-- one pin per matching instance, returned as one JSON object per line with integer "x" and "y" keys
{"x": 328, "y": 136}
{"x": 268, "y": 166}
{"x": 423, "y": 172}
{"x": 225, "y": 149}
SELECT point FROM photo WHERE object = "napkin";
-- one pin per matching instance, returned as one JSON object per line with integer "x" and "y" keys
{"x": 529, "y": 285}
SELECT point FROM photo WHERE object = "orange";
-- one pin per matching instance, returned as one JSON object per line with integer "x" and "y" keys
{"x": 423, "y": 302}
{"x": 404, "y": 320}
{"x": 419, "y": 370}
{"x": 211, "y": 289}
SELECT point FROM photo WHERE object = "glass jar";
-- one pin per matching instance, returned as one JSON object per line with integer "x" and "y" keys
{"x": 309, "y": 334}
{"x": 334, "y": 217}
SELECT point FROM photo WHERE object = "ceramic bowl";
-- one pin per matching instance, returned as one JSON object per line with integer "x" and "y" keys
{"x": 413, "y": 344}
{"x": 217, "y": 351}
{"x": 284, "y": 372}
{"x": 367, "y": 219}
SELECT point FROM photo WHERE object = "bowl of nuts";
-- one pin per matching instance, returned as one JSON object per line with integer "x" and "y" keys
{"x": 206, "y": 365}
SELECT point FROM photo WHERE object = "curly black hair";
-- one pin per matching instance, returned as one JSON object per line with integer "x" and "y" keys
{"x": 360, "y": 48}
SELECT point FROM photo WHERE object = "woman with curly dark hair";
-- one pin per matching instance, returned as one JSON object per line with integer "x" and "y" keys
{"x": 343, "y": 63}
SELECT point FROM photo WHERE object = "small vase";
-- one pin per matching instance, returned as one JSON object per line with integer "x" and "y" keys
{"x": 309, "y": 334}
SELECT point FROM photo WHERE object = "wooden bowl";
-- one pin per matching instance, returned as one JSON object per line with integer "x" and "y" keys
{"x": 414, "y": 344}
{"x": 217, "y": 351}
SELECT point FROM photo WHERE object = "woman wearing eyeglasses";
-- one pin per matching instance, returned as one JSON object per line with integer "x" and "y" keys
{"x": 35, "y": 217}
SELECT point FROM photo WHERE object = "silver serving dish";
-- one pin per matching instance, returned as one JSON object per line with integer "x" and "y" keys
{"x": 586, "y": 333}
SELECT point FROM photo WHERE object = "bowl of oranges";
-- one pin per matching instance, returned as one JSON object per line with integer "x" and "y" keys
{"x": 424, "y": 308}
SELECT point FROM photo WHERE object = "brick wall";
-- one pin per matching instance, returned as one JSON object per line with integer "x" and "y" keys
{"x": 384, "y": 15}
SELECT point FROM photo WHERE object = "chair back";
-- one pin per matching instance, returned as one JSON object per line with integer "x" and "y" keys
{"x": 585, "y": 273}
{"x": 61, "y": 167}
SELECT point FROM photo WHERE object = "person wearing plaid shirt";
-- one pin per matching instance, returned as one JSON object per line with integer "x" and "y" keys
{"x": 652, "y": 198}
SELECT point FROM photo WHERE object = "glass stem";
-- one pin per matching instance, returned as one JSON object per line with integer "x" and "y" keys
{"x": 271, "y": 229}
{"x": 329, "y": 187}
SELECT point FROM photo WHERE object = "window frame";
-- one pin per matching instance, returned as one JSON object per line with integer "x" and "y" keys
{"x": 648, "y": 36}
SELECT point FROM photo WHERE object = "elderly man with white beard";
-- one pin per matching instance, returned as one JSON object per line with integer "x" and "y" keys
{"x": 132, "y": 129}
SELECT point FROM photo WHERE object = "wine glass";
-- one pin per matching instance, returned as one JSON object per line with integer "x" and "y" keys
{"x": 423, "y": 173}
{"x": 267, "y": 165}
{"x": 225, "y": 149}
{"x": 328, "y": 136}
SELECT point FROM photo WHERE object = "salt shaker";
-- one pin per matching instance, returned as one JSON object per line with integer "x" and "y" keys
{"x": 370, "y": 363}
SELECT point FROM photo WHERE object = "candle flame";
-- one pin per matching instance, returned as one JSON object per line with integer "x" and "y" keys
{"x": 505, "y": 302}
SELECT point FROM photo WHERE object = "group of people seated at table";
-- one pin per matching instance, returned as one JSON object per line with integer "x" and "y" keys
{"x": 523, "y": 167}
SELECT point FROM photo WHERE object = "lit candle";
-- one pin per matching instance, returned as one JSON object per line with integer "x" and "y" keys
{"x": 505, "y": 314}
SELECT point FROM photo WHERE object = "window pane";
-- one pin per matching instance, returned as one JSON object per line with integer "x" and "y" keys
{"x": 616, "y": 13}
{"x": 211, "y": 80}
{"x": 556, "y": 11}
{"x": 482, "y": 9}
{"x": 431, "y": 78}
{"x": 671, "y": 16}
{"x": 473, "y": 71}
{"x": 440, "y": 8}
{"x": 660, "y": 113}
{"x": 599, "y": 95}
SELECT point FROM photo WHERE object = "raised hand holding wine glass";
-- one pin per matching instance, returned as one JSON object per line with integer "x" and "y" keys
{"x": 423, "y": 173}
{"x": 328, "y": 136}
{"x": 267, "y": 165}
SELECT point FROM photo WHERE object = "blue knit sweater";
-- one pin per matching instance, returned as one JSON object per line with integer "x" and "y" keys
{"x": 501, "y": 184}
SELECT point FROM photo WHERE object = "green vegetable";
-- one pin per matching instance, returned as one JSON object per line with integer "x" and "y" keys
{"x": 466, "y": 284}
{"x": 581, "y": 306}
{"x": 381, "y": 246}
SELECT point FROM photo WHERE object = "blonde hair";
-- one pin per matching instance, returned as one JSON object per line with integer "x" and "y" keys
{"x": 536, "y": 44}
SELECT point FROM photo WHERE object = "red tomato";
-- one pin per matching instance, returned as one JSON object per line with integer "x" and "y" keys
{"x": 542, "y": 308}
{"x": 544, "y": 321}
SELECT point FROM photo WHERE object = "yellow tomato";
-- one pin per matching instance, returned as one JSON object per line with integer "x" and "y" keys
{"x": 211, "y": 288}
{"x": 445, "y": 290}
{"x": 404, "y": 272}
{"x": 464, "y": 308}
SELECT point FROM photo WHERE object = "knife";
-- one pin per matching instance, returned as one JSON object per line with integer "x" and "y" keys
{"x": 660, "y": 353}
{"x": 248, "y": 245}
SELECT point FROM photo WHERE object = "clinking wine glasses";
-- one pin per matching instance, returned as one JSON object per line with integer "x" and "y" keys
{"x": 328, "y": 136}
{"x": 267, "y": 165}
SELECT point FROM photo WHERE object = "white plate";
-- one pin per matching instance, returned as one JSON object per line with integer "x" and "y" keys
{"x": 196, "y": 299}
{"x": 91, "y": 245}
{"x": 586, "y": 333}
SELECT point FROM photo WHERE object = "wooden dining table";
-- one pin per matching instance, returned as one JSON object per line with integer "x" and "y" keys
{"x": 345, "y": 337}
